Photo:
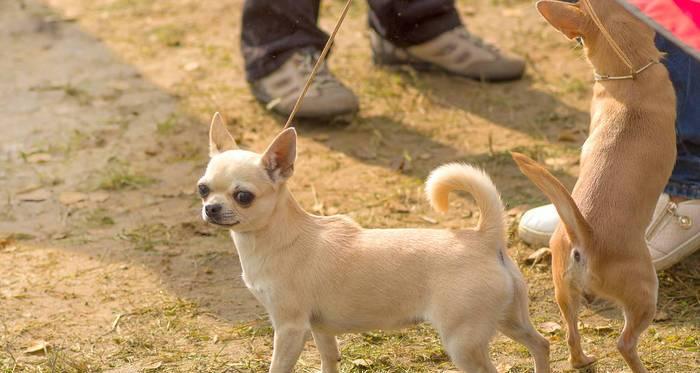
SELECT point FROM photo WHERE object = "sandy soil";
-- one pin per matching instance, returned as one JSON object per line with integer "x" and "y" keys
{"x": 105, "y": 264}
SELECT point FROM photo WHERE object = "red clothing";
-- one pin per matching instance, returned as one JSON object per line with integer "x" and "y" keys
{"x": 677, "y": 20}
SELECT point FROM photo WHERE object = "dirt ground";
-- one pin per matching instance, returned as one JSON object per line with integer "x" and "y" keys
{"x": 105, "y": 264}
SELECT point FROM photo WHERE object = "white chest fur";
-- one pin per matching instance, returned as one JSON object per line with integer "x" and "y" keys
{"x": 255, "y": 273}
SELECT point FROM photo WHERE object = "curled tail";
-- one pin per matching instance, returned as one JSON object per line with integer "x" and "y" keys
{"x": 456, "y": 176}
{"x": 576, "y": 225}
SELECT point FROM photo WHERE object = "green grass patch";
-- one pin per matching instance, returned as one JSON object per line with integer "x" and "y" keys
{"x": 119, "y": 175}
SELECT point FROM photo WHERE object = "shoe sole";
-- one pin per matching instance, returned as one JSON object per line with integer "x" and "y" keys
{"x": 685, "y": 249}
{"x": 534, "y": 237}
{"x": 341, "y": 116}
{"x": 429, "y": 67}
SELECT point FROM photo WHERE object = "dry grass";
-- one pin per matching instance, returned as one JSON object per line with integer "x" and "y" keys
{"x": 140, "y": 284}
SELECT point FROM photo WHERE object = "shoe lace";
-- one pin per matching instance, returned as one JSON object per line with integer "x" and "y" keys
{"x": 323, "y": 75}
{"x": 479, "y": 42}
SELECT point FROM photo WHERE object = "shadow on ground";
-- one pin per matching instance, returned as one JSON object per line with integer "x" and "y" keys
{"x": 99, "y": 167}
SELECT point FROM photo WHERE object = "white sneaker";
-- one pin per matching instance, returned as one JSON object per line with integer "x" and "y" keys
{"x": 537, "y": 225}
{"x": 674, "y": 232}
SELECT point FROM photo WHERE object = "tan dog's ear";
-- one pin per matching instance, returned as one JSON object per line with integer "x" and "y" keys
{"x": 278, "y": 160}
{"x": 565, "y": 17}
{"x": 220, "y": 140}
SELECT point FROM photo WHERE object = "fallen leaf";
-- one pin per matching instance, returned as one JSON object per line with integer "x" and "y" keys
{"x": 35, "y": 196}
{"x": 543, "y": 254}
{"x": 153, "y": 366}
{"x": 365, "y": 363}
{"x": 6, "y": 241}
{"x": 603, "y": 328}
{"x": 321, "y": 137}
{"x": 39, "y": 158}
{"x": 59, "y": 236}
{"x": 70, "y": 198}
{"x": 398, "y": 208}
{"x": 29, "y": 188}
{"x": 662, "y": 316}
{"x": 429, "y": 219}
{"x": 550, "y": 327}
{"x": 98, "y": 196}
{"x": 110, "y": 128}
{"x": 38, "y": 347}
{"x": 191, "y": 66}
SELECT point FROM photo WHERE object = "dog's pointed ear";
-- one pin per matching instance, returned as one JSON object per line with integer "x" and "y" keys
{"x": 220, "y": 140}
{"x": 565, "y": 17}
{"x": 278, "y": 160}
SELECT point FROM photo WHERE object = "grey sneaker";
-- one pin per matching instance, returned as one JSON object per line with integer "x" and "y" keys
{"x": 674, "y": 232}
{"x": 456, "y": 51}
{"x": 327, "y": 97}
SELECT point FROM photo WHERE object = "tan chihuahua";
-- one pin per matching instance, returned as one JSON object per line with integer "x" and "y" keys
{"x": 599, "y": 249}
{"x": 327, "y": 275}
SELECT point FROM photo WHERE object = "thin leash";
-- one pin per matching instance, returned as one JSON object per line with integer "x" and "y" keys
{"x": 616, "y": 48}
{"x": 318, "y": 64}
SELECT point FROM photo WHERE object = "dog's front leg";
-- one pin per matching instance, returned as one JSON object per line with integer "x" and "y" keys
{"x": 289, "y": 341}
{"x": 328, "y": 348}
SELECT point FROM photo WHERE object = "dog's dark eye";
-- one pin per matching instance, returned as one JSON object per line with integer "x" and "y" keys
{"x": 244, "y": 198}
{"x": 203, "y": 190}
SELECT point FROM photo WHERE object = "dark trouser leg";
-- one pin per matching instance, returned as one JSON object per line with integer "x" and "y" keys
{"x": 409, "y": 22}
{"x": 685, "y": 75}
{"x": 273, "y": 29}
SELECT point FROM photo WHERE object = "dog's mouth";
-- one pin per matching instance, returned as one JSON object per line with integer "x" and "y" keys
{"x": 225, "y": 225}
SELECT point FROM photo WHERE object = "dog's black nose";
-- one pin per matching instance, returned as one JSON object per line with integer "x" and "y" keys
{"x": 212, "y": 210}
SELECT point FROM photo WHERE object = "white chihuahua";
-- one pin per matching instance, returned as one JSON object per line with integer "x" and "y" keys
{"x": 328, "y": 275}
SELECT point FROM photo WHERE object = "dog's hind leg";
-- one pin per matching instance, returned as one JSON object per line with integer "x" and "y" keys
{"x": 517, "y": 326}
{"x": 468, "y": 346}
{"x": 328, "y": 348}
{"x": 639, "y": 307}
{"x": 569, "y": 301}
{"x": 636, "y": 321}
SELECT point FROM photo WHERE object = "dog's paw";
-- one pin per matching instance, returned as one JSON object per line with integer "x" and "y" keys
{"x": 583, "y": 362}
